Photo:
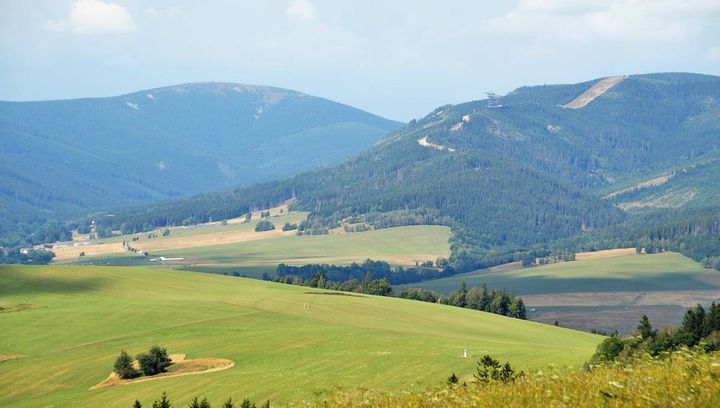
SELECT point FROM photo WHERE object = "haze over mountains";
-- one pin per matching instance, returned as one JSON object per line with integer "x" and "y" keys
{"x": 530, "y": 172}
{"x": 69, "y": 156}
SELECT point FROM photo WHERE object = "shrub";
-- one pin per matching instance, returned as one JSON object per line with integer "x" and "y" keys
{"x": 123, "y": 366}
{"x": 264, "y": 225}
{"x": 489, "y": 369}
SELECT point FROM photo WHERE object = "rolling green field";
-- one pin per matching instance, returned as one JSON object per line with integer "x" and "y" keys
{"x": 287, "y": 342}
{"x": 624, "y": 272}
{"x": 399, "y": 245}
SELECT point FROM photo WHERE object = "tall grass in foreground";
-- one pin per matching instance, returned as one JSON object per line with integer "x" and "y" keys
{"x": 681, "y": 379}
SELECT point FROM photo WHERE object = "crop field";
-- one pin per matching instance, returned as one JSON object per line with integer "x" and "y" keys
{"x": 286, "y": 342}
{"x": 209, "y": 234}
{"x": 604, "y": 290}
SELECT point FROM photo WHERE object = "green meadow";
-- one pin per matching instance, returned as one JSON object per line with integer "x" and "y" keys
{"x": 287, "y": 342}
{"x": 623, "y": 272}
{"x": 399, "y": 245}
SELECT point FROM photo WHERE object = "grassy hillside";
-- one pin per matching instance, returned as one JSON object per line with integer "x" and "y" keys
{"x": 63, "y": 157}
{"x": 286, "y": 343}
{"x": 604, "y": 271}
{"x": 686, "y": 380}
{"x": 606, "y": 290}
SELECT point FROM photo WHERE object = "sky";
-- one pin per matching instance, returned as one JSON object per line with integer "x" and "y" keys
{"x": 399, "y": 59}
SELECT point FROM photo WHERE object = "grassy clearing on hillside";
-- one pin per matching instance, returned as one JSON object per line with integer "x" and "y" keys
{"x": 685, "y": 380}
{"x": 287, "y": 344}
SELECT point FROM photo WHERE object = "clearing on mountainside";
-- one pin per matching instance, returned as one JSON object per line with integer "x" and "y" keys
{"x": 594, "y": 91}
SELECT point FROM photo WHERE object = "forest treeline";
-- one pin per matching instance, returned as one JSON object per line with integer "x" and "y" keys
{"x": 374, "y": 278}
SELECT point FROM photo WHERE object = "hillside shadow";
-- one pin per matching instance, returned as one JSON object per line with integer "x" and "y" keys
{"x": 26, "y": 284}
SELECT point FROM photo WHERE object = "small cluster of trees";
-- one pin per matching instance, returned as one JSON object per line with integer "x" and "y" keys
{"x": 478, "y": 298}
{"x": 289, "y": 227}
{"x": 164, "y": 402}
{"x": 154, "y": 362}
{"x": 264, "y": 225}
{"x": 264, "y": 214}
{"x": 700, "y": 328}
{"x": 490, "y": 370}
{"x": 33, "y": 257}
{"x": 362, "y": 227}
{"x": 545, "y": 256}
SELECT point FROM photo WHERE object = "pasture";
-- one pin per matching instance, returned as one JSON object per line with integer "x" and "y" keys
{"x": 399, "y": 245}
{"x": 287, "y": 342}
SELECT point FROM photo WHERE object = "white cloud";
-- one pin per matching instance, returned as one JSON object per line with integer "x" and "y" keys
{"x": 301, "y": 9}
{"x": 586, "y": 21}
{"x": 94, "y": 16}
{"x": 713, "y": 54}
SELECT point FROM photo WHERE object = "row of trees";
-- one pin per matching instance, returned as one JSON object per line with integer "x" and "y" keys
{"x": 700, "y": 328}
{"x": 368, "y": 286}
{"x": 32, "y": 257}
{"x": 375, "y": 269}
{"x": 478, "y": 298}
{"x": 164, "y": 402}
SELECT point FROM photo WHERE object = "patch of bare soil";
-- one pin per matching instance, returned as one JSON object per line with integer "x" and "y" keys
{"x": 8, "y": 357}
{"x": 180, "y": 367}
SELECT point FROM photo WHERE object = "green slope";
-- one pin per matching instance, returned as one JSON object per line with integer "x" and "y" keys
{"x": 285, "y": 342}
{"x": 628, "y": 272}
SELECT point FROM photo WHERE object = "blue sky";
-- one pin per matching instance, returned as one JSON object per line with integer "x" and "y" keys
{"x": 399, "y": 59}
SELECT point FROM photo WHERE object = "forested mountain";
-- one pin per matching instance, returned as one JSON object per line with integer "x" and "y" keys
{"x": 504, "y": 178}
{"x": 62, "y": 157}
{"x": 531, "y": 173}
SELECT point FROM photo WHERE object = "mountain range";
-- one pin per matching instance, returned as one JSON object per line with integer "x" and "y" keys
{"x": 66, "y": 157}
{"x": 541, "y": 164}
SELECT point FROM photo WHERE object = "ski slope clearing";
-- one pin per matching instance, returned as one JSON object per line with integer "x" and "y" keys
{"x": 594, "y": 91}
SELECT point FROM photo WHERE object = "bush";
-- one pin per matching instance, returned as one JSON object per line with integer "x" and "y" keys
{"x": 154, "y": 362}
{"x": 264, "y": 225}
{"x": 289, "y": 227}
{"x": 123, "y": 366}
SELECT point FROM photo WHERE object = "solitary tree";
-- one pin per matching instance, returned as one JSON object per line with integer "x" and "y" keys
{"x": 137, "y": 404}
{"x": 645, "y": 329}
